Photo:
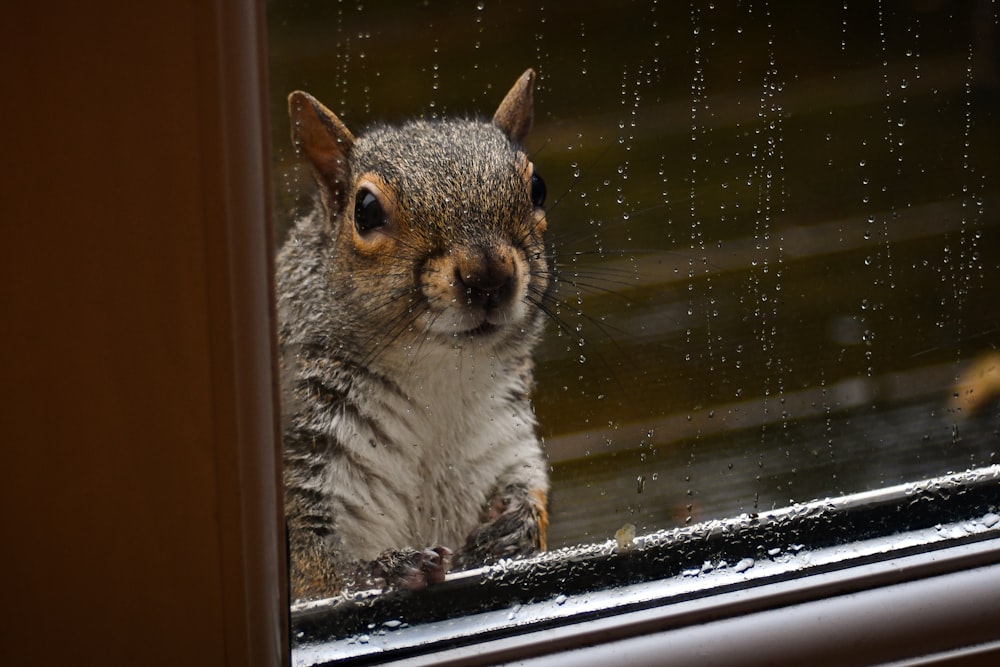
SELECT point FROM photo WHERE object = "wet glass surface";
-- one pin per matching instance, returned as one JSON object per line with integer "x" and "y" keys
{"x": 775, "y": 225}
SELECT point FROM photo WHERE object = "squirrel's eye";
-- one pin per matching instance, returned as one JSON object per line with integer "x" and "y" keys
{"x": 537, "y": 191}
{"x": 368, "y": 211}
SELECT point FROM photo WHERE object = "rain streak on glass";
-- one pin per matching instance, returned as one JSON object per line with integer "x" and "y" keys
{"x": 775, "y": 229}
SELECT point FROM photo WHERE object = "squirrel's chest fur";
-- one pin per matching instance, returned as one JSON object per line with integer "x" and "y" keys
{"x": 436, "y": 439}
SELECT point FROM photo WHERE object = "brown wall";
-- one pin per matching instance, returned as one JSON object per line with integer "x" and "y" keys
{"x": 138, "y": 483}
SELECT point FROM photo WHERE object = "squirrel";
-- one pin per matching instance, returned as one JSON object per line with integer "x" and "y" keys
{"x": 410, "y": 300}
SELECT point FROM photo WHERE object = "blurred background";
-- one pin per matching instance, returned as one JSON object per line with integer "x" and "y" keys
{"x": 775, "y": 225}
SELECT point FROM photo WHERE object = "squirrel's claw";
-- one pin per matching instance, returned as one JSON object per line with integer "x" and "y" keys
{"x": 409, "y": 569}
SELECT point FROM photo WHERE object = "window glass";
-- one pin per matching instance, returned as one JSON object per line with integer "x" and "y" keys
{"x": 775, "y": 226}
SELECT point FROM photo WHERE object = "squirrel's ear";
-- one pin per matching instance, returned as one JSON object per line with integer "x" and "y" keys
{"x": 325, "y": 141}
{"x": 515, "y": 114}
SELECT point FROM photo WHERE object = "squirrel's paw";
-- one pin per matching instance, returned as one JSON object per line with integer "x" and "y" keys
{"x": 410, "y": 569}
{"x": 514, "y": 524}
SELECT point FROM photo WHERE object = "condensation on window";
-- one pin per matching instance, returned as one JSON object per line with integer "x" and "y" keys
{"x": 775, "y": 225}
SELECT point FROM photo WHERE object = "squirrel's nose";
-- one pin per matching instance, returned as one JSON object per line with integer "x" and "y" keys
{"x": 487, "y": 285}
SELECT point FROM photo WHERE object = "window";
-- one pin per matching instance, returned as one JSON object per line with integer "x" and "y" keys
{"x": 777, "y": 243}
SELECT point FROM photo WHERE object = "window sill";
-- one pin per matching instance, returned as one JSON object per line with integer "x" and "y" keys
{"x": 892, "y": 574}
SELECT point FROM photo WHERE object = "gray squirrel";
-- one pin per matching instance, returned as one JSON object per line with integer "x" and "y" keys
{"x": 409, "y": 303}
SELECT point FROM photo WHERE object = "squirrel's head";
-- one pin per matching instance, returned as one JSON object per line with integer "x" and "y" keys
{"x": 435, "y": 227}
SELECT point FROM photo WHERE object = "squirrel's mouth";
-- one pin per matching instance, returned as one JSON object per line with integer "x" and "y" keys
{"x": 456, "y": 325}
{"x": 485, "y": 329}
